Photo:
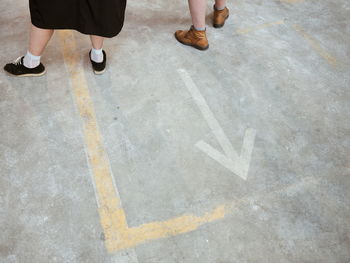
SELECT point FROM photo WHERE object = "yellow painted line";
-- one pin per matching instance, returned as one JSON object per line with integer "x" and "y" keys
{"x": 117, "y": 233}
{"x": 243, "y": 31}
{"x": 316, "y": 46}
{"x": 112, "y": 216}
{"x": 172, "y": 227}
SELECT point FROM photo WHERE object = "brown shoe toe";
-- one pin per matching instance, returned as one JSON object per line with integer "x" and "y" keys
{"x": 193, "y": 38}
{"x": 180, "y": 35}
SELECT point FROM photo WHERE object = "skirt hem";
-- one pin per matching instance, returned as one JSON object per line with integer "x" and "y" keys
{"x": 85, "y": 32}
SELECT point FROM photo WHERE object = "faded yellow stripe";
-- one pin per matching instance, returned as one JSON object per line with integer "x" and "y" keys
{"x": 112, "y": 216}
{"x": 247, "y": 30}
{"x": 316, "y": 46}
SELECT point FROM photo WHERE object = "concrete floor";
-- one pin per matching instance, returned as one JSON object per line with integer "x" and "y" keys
{"x": 279, "y": 69}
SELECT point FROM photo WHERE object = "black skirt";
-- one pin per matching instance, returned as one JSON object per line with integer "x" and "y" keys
{"x": 92, "y": 17}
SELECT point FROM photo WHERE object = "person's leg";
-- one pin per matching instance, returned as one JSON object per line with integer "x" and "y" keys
{"x": 98, "y": 56}
{"x": 96, "y": 51}
{"x": 97, "y": 42}
{"x": 196, "y": 36}
{"x": 198, "y": 9}
{"x": 29, "y": 65}
{"x": 38, "y": 40}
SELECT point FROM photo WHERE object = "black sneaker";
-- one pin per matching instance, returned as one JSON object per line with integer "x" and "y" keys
{"x": 99, "y": 68}
{"x": 19, "y": 70}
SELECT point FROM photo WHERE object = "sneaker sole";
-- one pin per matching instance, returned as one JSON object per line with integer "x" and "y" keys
{"x": 28, "y": 75}
{"x": 196, "y": 47}
{"x": 220, "y": 25}
{"x": 99, "y": 72}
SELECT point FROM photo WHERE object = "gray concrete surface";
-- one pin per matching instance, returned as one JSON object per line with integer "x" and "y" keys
{"x": 279, "y": 67}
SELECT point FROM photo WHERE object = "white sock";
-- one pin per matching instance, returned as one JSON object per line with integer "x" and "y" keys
{"x": 220, "y": 9}
{"x": 199, "y": 28}
{"x": 97, "y": 55}
{"x": 31, "y": 61}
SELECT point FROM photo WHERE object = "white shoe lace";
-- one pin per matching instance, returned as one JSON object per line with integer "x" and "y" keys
{"x": 18, "y": 61}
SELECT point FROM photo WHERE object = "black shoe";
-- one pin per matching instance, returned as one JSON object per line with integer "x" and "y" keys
{"x": 99, "y": 68}
{"x": 18, "y": 69}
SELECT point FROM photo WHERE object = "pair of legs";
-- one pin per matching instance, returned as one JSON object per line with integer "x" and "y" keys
{"x": 40, "y": 37}
{"x": 29, "y": 65}
{"x": 198, "y": 9}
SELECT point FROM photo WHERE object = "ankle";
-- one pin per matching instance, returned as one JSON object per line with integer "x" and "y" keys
{"x": 31, "y": 61}
{"x": 219, "y": 8}
{"x": 97, "y": 51}
{"x": 96, "y": 55}
{"x": 199, "y": 28}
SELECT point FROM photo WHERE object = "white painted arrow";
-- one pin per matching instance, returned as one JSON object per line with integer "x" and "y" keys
{"x": 239, "y": 165}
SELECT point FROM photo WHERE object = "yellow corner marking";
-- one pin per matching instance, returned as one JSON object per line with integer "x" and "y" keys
{"x": 243, "y": 31}
{"x": 316, "y": 46}
{"x": 172, "y": 227}
{"x": 117, "y": 233}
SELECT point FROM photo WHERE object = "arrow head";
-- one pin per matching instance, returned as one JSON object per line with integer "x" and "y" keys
{"x": 240, "y": 165}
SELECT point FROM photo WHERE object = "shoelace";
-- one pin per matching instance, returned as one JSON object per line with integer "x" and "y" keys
{"x": 18, "y": 61}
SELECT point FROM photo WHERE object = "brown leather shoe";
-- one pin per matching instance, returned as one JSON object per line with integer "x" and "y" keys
{"x": 220, "y": 17}
{"x": 193, "y": 37}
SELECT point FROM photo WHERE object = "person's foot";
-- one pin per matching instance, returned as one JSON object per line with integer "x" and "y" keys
{"x": 220, "y": 17}
{"x": 18, "y": 69}
{"x": 195, "y": 38}
{"x": 99, "y": 68}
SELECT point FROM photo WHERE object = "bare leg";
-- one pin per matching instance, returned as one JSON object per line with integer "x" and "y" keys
{"x": 220, "y": 4}
{"x": 97, "y": 41}
{"x": 38, "y": 40}
{"x": 96, "y": 52}
{"x": 198, "y": 9}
